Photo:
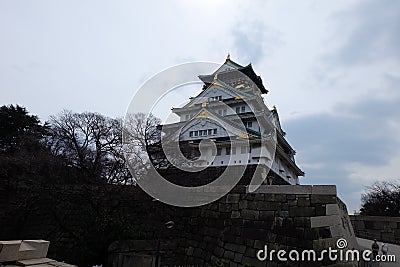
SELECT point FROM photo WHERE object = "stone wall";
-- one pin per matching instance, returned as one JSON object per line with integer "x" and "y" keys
{"x": 230, "y": 231}
{"x": 83, "y": 222}
{"x": 384, "y": 229}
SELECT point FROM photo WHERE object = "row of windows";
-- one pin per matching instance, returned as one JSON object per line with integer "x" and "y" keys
{"x": 203, "y": 132}
{"x": 215, "y": 98}
{"x": 229, "y": 150}
{"x": 241, "y": 109}
{"x": 239, "y": 161}
{"x": 248, "y": 124}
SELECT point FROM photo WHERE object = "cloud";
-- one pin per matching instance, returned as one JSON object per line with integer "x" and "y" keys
{"x": 253, "y": 39}
{"x": 344, "y": 147}
{"x": 373, "y": 33}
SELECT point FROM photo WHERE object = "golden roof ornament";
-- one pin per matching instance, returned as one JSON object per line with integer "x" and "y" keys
{"x": 204, "y": 104}
{"x": 216, "y": 76}
{"x": 228, "y": 56}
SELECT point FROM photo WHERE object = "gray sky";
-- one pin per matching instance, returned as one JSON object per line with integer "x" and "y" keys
{"x": 332, "y": 68}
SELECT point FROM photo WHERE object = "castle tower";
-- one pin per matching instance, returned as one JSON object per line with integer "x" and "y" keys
{"x": 230, "y": 112}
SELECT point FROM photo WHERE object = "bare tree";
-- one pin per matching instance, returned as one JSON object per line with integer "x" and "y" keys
{"x": 90, "y": 142}
{"x": 140, "y": 134}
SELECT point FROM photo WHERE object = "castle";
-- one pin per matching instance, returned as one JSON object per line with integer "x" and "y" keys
{"x": 228, "y": 124}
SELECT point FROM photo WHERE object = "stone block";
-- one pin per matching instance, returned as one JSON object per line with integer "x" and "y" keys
{"x": 235, "y": 247}
{"x": 320, "y": 209}
{"x": 303, "y": 201}
{"x": 243, "y": 204}
{"x": 34, "y": 261}
{"x": 322, "y": 244}
{"x": 250, "y": 214}
{"x": 33, "y": 249}
{"x": 323, "y": 199}
{"x": 301, "y": 211}
{"x": 284, "y": 189}
{"x": 232, "y": 198}
{"x": 229, "y": 255}
{"x": 9, "y": 250}
{"x": 235, "y": 214}
{"x": 324, "y": 189}
{"x": 322, "y": 221}
{"x": 238, "y": 257}
{"x": 337, "y": 230}
{"x": 332, "y": 209}
{"x": 275, "y": 206}
{"x": 266, "y": 215}
{"x": 280, "y": 198}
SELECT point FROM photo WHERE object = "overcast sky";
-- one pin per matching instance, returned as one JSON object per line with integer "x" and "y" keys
{"x": 332, "y": 68}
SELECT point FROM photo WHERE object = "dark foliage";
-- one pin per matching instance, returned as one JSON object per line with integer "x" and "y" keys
{"x": 381, "y": 199}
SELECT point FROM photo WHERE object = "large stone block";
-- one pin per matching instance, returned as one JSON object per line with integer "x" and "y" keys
{"x": 284, "y": 189}
{"x": 29, "y": 262}
{"x": 332, "y": 209}
{"x": 323, "y": 199}
{"x": 301, "y": 211}
{"x": 33, "y": 249}
{"x": 324, "y": 189}
{"x": 322, "y": 221}
{"x": 9, "y": 250}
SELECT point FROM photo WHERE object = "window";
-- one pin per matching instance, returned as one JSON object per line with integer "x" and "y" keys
{"x": 196, "y": 133}
{"x": 234, "y": 150}
{"x": 244, "y": 149}
{"x": 219, "y": 150}
{"x": 243, "y": 109}
{"x": 222, "y": 162}
{"x": 248, "y": 124}
{"x": 209, "y": 131}
{"x": 215, "y": 131}
{"x": 228, "y": 150}
{"x": 238, "y": 110}
{"x": 191, "y": 133}
{"x": 215, "y": 98}
{"x": 187, "y": 117}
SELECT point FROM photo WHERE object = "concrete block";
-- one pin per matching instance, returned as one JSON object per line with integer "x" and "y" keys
{"x": 232, "y": 198}
{"x": 332, "y": 209}
{"x": 301, "y": 211}
{"x": 322, "y": 244}
{"x": 322, "y": 221}
{"x": 33, "y": 249}
{"x": 9, "y": 250}
{"x": 337, "y": 230}
{"x": 35, "y": 261}
{"x": 284, "y": 189}
{"x": 323, "y": 199}
{"x": 324, "y": 189}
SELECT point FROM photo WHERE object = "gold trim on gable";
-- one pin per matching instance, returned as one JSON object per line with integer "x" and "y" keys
{"x": 203, "y": 114}
{"x": 243, "y": 136}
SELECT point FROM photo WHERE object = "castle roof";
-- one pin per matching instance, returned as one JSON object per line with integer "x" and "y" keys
{"x": 228, "y": 69}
